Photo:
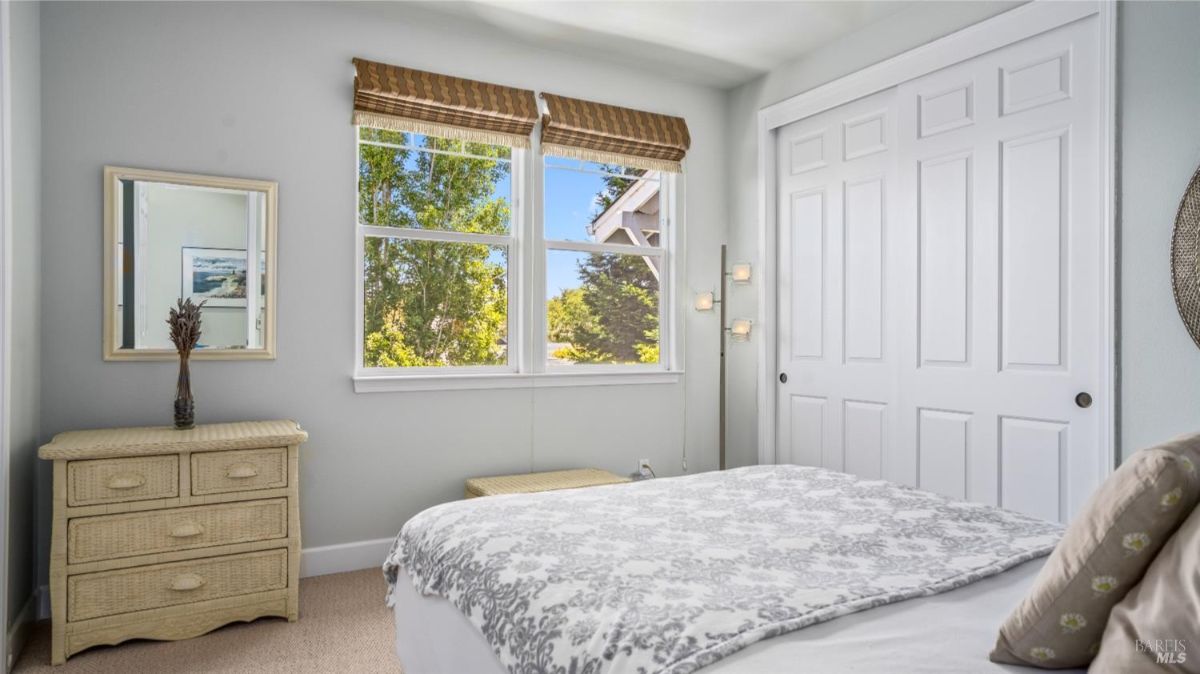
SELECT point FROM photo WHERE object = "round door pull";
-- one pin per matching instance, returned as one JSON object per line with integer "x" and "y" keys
{"x": 1084, "y": 400}
{"x": 782, "y": 377}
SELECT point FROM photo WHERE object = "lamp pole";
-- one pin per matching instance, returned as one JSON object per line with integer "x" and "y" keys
{"x": 721, "y": 385}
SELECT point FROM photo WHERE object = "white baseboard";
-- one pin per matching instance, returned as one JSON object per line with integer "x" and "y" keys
{"x": 18, "y": 634}
{"x": 344, "y": 557}
{"x": 313, "y": 562}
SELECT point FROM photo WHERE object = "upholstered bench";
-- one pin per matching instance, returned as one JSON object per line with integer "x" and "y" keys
{"x": 534, "y": 482}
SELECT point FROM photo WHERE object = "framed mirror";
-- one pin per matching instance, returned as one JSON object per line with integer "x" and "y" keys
{"x": 169, "y": 236}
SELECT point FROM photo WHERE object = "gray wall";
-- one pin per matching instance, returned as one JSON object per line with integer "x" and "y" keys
{"x": 23, "y": 419}
{"x": 1158, "y": 76}
{"x": 263, "y": 90}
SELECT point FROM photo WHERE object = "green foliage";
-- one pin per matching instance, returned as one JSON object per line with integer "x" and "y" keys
{"x": 566, "y": 314}
{"x": 432, "y": 303}
{"x": 613, "y": 316}
{"x": 621, "y": 296}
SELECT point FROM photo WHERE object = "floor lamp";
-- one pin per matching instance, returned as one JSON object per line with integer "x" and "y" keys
{"x": 738, "y": 330}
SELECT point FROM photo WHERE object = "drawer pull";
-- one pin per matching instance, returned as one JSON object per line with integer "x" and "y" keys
{"x": 241, "y": 471}
{"x": 187, "y": 530}
{"x": 186, "y": 582}
{"x": 126, "y": 481}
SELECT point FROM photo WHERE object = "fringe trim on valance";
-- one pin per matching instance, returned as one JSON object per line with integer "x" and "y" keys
{"x": 585, "y": 154}
{"x": 404, "y": 124}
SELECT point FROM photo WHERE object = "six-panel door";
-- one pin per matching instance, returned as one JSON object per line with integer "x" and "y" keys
{"x": 940, "y": 280}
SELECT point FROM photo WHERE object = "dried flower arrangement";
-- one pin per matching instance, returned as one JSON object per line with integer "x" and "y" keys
{"x": 184, "y": 322}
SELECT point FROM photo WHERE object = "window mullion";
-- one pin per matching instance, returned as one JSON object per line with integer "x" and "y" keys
{"x": 537, "y": 286}
{"x": 667, "y": 300}
{"x": 593, "y": 247}
{"x": 518, "y": 274}
{"x": 444, "y": 235}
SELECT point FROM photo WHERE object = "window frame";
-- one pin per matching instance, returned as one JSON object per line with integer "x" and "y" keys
{"x": 666, "y": 267}
{"x": 528, "y": 365}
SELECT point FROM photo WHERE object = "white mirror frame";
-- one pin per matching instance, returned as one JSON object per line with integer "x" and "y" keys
{"x": 112, "y": 177}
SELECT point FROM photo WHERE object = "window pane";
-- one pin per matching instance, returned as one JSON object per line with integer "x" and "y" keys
{"x": 567, "y": 162}
{"x": 432, "y": 303}
{"x": 418, "y": 141}
{"x": 585, "y": 205}
{"x": 413, "y": 187}
{"x": 601, "y": 308}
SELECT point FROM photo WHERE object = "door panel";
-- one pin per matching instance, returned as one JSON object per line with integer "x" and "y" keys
{"x": 833, "y": 305}
{"x": 944, "y": 265}
{"x": 807, "y": 227}
{"x": 807, "y": 422}
{"x": 940, "y": 279}
{"x": 944, "y": 441}
{"x": 863, "y": 269}
{"x": 866, "y": 437}
{"x": 1032, "y": 234}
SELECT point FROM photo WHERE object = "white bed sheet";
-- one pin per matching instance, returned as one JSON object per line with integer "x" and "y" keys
{"x": 948, "y": 633}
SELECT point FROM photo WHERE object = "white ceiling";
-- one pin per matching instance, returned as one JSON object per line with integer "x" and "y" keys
{"x": 720, "y": 43}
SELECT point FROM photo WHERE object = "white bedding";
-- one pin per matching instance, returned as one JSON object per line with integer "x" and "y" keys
{"x": 948, "y": 633}
{"x": 671, "y": 575}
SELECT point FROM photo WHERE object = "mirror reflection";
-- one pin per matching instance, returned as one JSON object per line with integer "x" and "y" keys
{"x": 206, "y": 242}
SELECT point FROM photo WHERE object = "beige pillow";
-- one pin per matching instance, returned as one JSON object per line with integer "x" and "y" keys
{"x": 1156, "y": 627}
{"x": 1102, "y": 555}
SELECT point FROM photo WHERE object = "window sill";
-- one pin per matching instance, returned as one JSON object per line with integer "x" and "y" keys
{"x": 456, "y": 382}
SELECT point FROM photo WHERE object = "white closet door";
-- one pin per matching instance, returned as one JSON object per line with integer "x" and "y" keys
{"x": 990, "y": 282}
{"x": 836, "y": 184}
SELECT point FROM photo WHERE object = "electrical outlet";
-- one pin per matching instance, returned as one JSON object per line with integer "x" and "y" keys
{"x": 644, "y": 468}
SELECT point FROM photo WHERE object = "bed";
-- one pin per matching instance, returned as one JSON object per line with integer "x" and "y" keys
{"x": 764, "y": 568}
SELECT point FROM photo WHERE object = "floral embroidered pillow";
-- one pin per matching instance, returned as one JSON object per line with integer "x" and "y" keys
{"x": 1155, "y": 628}
{"x": 1102, "y": 555}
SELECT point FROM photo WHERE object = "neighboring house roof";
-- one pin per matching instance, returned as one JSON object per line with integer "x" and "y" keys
{"x": 633, "y": 218}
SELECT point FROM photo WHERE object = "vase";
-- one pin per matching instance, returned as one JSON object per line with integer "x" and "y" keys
{"x": 185, "y": 409}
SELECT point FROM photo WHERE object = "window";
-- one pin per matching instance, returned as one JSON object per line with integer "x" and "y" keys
{"x": 435, "y": 218}
{"x": 457, "y": 278}
{"x": 604, "y": 259}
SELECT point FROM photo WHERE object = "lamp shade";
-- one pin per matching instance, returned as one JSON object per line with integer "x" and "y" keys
{"x": 740, "y": 272}
{"x": 739, "y": 329}
{"x": 704, "y": 301}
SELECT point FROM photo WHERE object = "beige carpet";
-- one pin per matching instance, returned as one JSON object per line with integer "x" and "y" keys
{"x": 344, "y": 627}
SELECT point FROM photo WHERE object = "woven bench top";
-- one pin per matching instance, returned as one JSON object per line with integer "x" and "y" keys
{"x": 535, "y": 482}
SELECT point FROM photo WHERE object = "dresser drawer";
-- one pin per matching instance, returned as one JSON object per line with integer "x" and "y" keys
{"x": 95, "y": 595}
{"x": 219, "y": 472}
{"x": 117, "y": 480}
{"x": 92, "y": 539}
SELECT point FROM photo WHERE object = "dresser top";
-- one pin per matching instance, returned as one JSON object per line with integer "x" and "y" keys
{"x": 111, "y": 442}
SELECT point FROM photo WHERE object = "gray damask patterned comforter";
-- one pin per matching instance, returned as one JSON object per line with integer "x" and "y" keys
{"x": 672, "y": 574}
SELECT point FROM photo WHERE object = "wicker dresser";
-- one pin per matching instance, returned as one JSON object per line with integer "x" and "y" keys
{"x": 166, "y": 534}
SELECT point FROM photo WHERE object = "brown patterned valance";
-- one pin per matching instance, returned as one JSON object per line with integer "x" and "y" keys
{"x": 613, "y": 135}
{"x": 403, "y": 99}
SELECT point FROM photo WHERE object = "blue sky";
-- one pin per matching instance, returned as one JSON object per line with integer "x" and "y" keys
{"x": 570, "y": 203}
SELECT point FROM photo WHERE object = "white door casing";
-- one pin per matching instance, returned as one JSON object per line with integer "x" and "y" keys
{"x": 942, "y": 284}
